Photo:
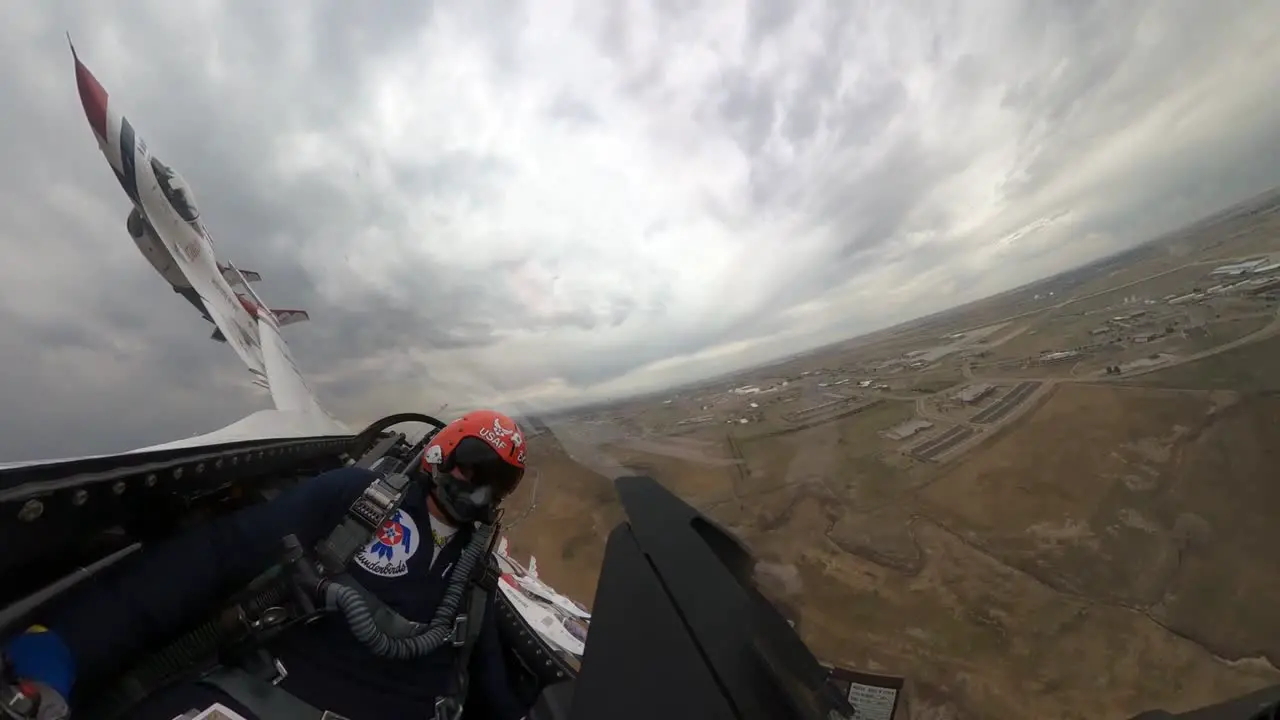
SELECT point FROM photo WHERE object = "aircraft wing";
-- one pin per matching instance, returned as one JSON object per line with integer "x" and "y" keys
{"x": 235, "y": 275}
{"x": 550, "y": 625}
{"x": 236, "y": 324}
{"x": 544, "y": 592}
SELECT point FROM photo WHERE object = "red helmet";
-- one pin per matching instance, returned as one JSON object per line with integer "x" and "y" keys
{"x": 486, "y": 443}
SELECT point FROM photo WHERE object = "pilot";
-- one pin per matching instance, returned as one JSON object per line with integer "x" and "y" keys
{"x": 320, "y": 667}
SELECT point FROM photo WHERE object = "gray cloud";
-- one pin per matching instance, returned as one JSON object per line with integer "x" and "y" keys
{"x": 585, "y": 201}
{"x": 571, "y": 109}
{"x": 748, "y": 107}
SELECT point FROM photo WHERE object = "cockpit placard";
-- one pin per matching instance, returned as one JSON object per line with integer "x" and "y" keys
{"x": 873, "y": 697}
{"x": 217, "y": 711}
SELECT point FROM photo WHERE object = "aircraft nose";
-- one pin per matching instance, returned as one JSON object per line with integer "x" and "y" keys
{"x": 94, "y": 99}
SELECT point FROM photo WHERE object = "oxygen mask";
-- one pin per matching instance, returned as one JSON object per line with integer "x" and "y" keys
{"x": 469, "y": 485}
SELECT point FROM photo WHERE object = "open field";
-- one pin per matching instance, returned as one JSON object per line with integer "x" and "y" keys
{"x": 576, "y": 510}
{"x": 1074, "y": 544}
{"x": 843, "y": 458}
{"x": 1252, "y": 368}
{"x": 1112, "y": 540}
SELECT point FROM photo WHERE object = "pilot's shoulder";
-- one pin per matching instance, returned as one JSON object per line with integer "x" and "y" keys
{"x": 343, "y": 485}
{"x": 346, "y": 476}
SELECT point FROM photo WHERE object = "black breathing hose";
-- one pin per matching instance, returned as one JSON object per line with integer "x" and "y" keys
{"x": 360, "y": 616}
{"x": 196, "y": 648}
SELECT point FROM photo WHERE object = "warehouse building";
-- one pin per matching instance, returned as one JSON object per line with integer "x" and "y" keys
{"x": 1240, "y": 268}
{"x": 904, "y": 430}
{"x": 974, "y": 393}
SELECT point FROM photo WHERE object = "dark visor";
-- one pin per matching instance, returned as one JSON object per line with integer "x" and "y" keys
{"x": 486, "y": 467}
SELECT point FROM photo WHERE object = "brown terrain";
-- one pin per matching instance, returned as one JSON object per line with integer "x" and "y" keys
{"x": 1104, "y": 548}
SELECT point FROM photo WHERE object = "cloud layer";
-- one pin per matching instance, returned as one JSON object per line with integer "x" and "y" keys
{"x": 560, "y": 201}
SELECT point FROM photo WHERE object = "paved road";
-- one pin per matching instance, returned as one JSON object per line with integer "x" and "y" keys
{"x": 1262, "y": 334}
{"x": 924, "y": 411}
{"x": 1153, "y": 276}
{"x": 1270, "y": 330}
{"x": 1047, "y": 383}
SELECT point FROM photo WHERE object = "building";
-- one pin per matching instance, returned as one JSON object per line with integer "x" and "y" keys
{"x": 1240, "y": 268}
{"x": 904, "y": 430}
{"x": 1057, "y": 357}
{"x": 929, "y": 355}
{"x": 974, "y": 393}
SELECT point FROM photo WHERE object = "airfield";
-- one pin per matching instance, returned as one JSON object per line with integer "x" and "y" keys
{"x": 1056, "y": 502}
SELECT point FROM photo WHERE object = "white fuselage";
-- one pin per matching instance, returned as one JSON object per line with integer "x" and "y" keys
{"x": 154, "y": 250}
{"x": 166, "y": 227}
{"x": 164, "y": 223}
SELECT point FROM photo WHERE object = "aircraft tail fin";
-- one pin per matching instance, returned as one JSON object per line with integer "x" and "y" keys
{"x": 217, "y": 336}
{"x": 289, "y": 391}
{"x": 533, "y": 567}
{"x": 289, "y": 317}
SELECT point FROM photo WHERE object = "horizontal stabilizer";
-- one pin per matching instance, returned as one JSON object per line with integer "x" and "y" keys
{"x": 289, "y": 317}
{"x": 234, "y": 275}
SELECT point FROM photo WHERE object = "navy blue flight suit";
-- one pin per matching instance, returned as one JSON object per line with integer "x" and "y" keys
{"x": 179, "y": 580}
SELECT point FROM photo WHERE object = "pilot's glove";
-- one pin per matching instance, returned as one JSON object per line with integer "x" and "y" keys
{"x": 42, "y": 659}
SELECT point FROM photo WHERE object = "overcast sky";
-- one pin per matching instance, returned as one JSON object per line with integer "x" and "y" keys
{"x": 551, "y": 201}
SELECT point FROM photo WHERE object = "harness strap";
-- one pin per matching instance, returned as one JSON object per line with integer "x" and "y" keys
{"x": 475, "y": 623}
{"x": 375, "y": 506}
{"x": 472, "y": 623}
{"x": 263, "y": 699}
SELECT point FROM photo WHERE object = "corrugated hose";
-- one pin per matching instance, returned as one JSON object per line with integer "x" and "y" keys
{"x": 353, "y": 606}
